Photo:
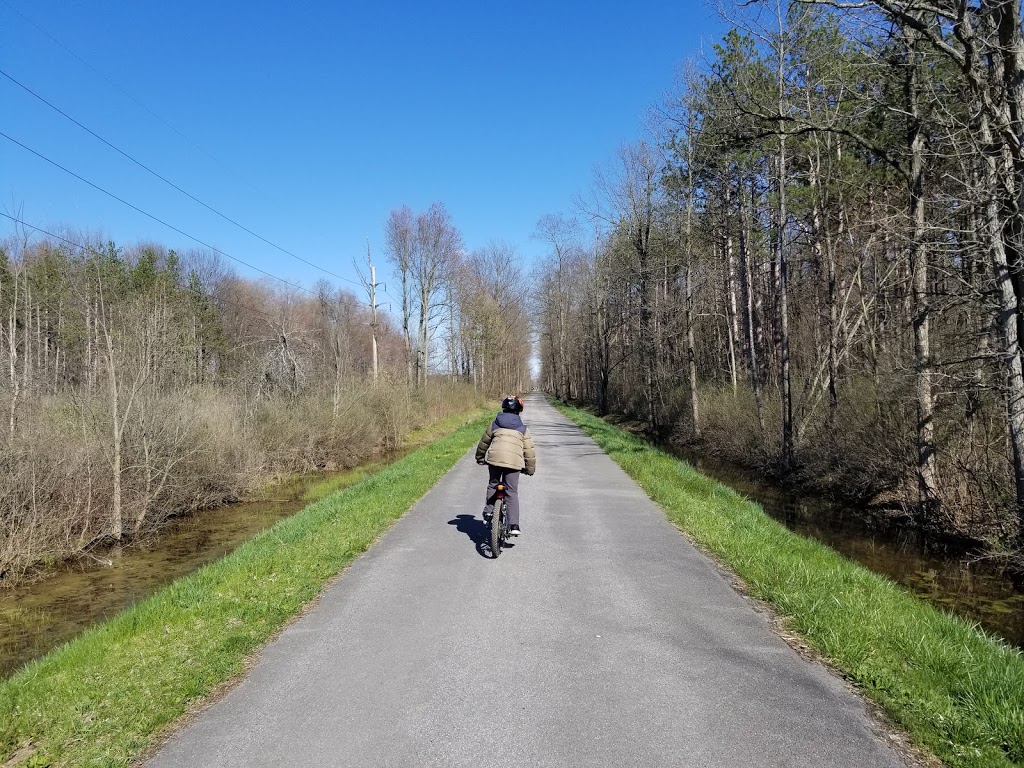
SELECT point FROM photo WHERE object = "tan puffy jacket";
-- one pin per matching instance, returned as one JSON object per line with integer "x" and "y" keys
{"x": 507, "y": 443}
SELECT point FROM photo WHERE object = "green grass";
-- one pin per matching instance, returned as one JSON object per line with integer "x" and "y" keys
{"x": 413, "y": 440}
{"x": 433, "y": 431}
{"x": 342, "y": 480}
{"x": 958, "y": 692}
{"x": 103, "y": 698}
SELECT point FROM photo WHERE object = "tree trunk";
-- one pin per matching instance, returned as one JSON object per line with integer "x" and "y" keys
{"x": 691, "y": 352}
{"x": 117, "y": 438}
{"x": 12, "y": 361}
{"x": 783, "y": 269}
{"x": 731, "y": 311}
{"x": 927, "y": 473}
{"x": 406, "y": 335}
{"x": 1009, "y": 315}
{"x": 747, "y": 292}
{"x": 1008, "y": 64}
{"x": 421, "y": 350}
{"x": 825, "y": 256}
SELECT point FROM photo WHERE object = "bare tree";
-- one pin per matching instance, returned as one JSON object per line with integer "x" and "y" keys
{"x": 560, "y": 233}
{"x": 629, "y": 197}
{"x": 438, "y": 243}
{"x": 402, "y": 249}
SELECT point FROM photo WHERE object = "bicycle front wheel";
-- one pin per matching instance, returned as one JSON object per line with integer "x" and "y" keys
{"x": 497, "y": 521}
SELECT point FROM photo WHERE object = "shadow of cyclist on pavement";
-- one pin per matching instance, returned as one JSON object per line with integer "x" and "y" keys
{"x": 478, "y": 532}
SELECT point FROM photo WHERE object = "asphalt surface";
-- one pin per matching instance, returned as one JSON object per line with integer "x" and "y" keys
{"x": 603, "y": 638}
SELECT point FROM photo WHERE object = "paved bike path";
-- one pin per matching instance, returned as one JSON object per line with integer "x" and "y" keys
{"x": 603, "y": 638}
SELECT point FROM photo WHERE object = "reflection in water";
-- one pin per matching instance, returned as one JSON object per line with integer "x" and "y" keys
{"x": 977, "y": 591}
{"x": 37, "y": 617}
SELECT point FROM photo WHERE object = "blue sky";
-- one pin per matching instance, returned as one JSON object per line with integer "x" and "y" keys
{"x": 309, "y": 122}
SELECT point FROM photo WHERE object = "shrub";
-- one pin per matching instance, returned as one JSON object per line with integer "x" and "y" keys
{"x": 186, "y": 451}
{"x": 867, "y": 452}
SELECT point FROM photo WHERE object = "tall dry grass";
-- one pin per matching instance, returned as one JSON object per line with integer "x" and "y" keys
{"x": 182, "y": 452}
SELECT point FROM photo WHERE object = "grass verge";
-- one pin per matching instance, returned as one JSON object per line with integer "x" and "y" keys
{"x": 415, "y": 439}
{"x": 958, "y": 692}
{"x": 101, "y": 699}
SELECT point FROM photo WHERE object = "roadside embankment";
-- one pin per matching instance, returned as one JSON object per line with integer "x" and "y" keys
{"x": 958, "y": 692}
{"x": 103, "y": 698}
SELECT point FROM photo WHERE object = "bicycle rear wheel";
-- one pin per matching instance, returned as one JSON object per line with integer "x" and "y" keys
{"x": 497, "y": 521}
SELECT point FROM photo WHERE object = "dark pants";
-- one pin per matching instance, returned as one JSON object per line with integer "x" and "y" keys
{"x": 511, "y": 492}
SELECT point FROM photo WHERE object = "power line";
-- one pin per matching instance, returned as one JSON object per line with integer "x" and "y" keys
{"x": 170, "y": 183}
{"x": 151, "y": 216}
{"x": 134, "y": 100}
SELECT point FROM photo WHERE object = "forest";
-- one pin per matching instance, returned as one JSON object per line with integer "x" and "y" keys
{"x": 139, "y": 383}
{"x": 812, "y": 265}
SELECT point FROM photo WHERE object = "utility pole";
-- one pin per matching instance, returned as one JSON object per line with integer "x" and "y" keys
{"x": 373, "y": 310}
{"x": 371, "y": 288}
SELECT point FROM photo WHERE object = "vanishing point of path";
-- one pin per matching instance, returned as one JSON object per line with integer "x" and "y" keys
{"x": 601, "y": 639}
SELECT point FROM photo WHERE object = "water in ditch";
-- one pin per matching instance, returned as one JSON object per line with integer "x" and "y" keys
{"x": 979, "y": 590}
{"x": 39, "y": 615}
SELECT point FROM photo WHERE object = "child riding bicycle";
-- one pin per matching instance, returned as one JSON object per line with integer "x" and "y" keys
{"x": 507, "y": 448}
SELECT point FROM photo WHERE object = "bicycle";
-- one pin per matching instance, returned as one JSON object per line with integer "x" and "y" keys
{"x": 499, "y": 522}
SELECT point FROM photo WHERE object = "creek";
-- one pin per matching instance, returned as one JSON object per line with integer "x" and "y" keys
{"x": 38, "y": 615}
{"x": 978, "y": 590}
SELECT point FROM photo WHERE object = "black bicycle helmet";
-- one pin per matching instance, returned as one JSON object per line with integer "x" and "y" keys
{"x": 512, "y": 405}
